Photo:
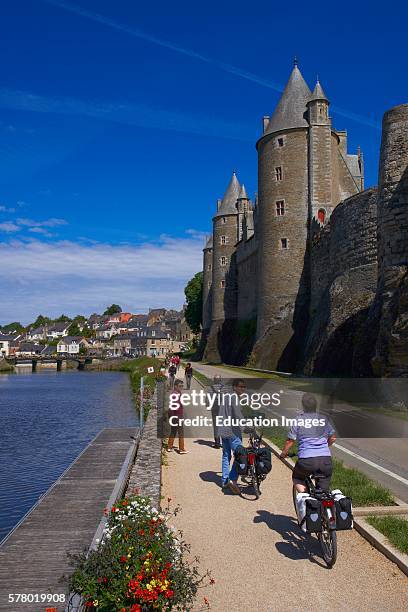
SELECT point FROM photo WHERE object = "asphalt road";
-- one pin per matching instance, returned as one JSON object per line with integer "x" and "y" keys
{"x": 385, "y": 459}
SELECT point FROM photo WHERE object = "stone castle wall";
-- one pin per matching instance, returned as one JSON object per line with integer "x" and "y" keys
{"x": 343, "y": 283}
{"x": 247, "y": 255}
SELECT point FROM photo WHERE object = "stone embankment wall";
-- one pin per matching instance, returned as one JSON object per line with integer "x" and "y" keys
{"x": 343, "y": 284}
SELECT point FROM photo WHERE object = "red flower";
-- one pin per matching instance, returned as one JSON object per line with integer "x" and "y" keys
{"x": 141, "y": 532}
{"x": 169, "y": 593}
{"x": 89, "y": 604}
{"x": 123, "y": 559}
{"x": 135, "y": 608}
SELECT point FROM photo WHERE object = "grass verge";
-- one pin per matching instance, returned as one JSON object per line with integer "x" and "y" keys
{"x": 202, "y": 378}
{"x": 394, "y": 528}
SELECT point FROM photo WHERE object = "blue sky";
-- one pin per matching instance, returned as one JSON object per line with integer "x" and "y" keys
{"x": 120, "y": 124}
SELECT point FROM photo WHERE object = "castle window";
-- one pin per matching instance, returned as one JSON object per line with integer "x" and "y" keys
{"x": 223, "y": 261}
{"x": 209, "y": 267}
{"x": 280, "y": 208}
{"x": 223, "y": 220}
{"x": 222, "y": 284}
{"x": 281, "y": 142}
{"x": 209, "y": 284}
{"x": 278, "y": 173}
{"x": 223, "y": 240}
{"x": 321, "y": 215}
{"x": 284, "y": 243}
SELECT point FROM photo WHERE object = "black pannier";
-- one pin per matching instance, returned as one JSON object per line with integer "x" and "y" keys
{"x": 263, "y": 462}
{"x": 241, "y": 460}
{"x": 313, "y": 516}
{"x": 344, "y": 513}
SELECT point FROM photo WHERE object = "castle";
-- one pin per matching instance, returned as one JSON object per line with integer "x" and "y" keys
{"x": 312, "y": 276}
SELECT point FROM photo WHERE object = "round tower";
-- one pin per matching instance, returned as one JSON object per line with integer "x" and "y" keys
{"x": 207, "y": 283}
{"x": 225, "y": 233}
{"x": 282, "y": 225}
{"x": 391, "y": 358}
{"x": 393, "y": 194}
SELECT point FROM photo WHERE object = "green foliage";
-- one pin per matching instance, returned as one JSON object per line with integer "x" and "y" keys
{"x": 62, "y": 319}
{"x": 194, "y": 299}
{"x": 394, "y": 528}
{"x": 40, "y": 321}
{"x": 74, "y": 330}
{"x": 113, "y": 309}
{"x": 139, "y": 565}
{"x": 10, "y": 327}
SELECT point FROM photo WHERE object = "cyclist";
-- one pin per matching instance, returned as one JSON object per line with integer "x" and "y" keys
{"x": 314, "y": 443}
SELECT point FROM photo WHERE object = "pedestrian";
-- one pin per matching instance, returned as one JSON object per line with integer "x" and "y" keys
{"x": 231, "y": 435}
{"x": 216, "y": 389}
{"x": 177, "y": 361}
{"x": 188, "y": 373}
{"x": 172, "y": 375}
{"x": 176, "y": 419}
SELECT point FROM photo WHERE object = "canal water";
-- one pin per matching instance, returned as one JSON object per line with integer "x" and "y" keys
{"x": 46, "y": 420}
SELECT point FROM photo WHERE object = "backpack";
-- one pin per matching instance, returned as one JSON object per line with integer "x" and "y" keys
{"x": 241, "y": 460}
{"x": 263, "y": 461}
{"x": 344, "y": 511}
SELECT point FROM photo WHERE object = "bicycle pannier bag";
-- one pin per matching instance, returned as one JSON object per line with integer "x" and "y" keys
{"x": 241, "y": 460}
{"x": 313, "y": 516}
{"x": 263, "y": 461}
{"x": 344, "y": 511}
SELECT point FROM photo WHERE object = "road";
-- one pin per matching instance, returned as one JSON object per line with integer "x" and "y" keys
{"x": 259, "y": 558}
{"x": 383, "y": 459}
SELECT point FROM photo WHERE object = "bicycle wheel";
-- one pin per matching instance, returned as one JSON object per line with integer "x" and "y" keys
{"x": 328, "y": 544}
{"x": 255, "y": 483}
{"x": 294, "y": 492}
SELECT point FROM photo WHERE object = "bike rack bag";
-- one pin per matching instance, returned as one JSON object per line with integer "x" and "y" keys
{"x": 263, "y": 462}
{"x": 344, "y": 510}
{"x": 241, "y": 460}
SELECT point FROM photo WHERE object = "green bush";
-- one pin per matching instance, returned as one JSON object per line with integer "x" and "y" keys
{"x": 139, "y": 565}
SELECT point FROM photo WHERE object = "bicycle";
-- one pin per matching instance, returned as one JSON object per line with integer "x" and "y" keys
{"x": 252, "y": 448}
{"x": 327, "y": 537}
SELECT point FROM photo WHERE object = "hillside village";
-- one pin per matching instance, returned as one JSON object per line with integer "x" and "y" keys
{"x": 121, "y": 334}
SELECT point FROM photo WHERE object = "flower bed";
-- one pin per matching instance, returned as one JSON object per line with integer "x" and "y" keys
{"x": 139, "y": 565}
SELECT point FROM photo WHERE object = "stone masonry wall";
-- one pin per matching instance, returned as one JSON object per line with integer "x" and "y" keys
{"x": 247, "y": 253}
{"x": 343, "y": 281}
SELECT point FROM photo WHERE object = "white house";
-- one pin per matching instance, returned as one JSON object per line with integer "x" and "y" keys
{"x": 107, "y": 331}
{"x": 71, "y": 345}
{"x": 5, "y": 342}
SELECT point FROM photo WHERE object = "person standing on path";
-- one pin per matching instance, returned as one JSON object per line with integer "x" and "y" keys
{"x": 177, "y": 362}
{"x": 216, "y": 388}
{"x": 172, "y": 375}
{"x": 231, "y": 435}
{"x": 175, "y": 418}
{"x": 188, "y": 373}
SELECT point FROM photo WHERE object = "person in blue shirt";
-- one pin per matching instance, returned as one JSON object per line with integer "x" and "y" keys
{"x": 314, "y": 434}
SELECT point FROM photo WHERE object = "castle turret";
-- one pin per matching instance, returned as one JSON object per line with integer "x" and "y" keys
{"x": 282, "y": 224}
{"x": 320, "y": 156}
{"x": 391, "y": 357}
{"x": 207, "y": 283}
{"x": 243, "y": 203}
{"x": 225, "y": 234}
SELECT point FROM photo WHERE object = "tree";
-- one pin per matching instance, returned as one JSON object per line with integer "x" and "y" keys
{"x": 74, "y": 330}
{"x": 40, "y": 321}
{"x": 113, "y": 309}
{"x": 62, "y": 319}
{"x": 11, "y": 327}
{"x": 194, "y": 298}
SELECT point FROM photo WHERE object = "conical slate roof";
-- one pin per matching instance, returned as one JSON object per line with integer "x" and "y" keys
{"x": 209, "y": 243}
{"x": 291, "y": 108}
{"x": 228, "y": 204}
{"x": 318, "y": 93}
{"x": 243, "y": 194}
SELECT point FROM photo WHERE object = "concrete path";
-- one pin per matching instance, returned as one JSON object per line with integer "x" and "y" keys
{"x": 259, "y": 558}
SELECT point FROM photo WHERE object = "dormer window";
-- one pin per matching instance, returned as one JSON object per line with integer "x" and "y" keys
{"x": 278, "y": 173}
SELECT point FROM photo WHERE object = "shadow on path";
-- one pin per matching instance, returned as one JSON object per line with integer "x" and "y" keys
{"x": 297, "y": 544}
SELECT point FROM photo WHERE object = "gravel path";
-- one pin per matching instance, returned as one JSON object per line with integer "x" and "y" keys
{"x": 258, "y": 556}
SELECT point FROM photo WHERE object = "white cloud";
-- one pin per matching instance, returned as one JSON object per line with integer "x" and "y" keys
{"x": 6, "y": 209}
{"x": 47, "y": 223}
{"x": 9, "y": 227}
{"x": 65, "y": 276}
{"x": 40, "y": 230}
